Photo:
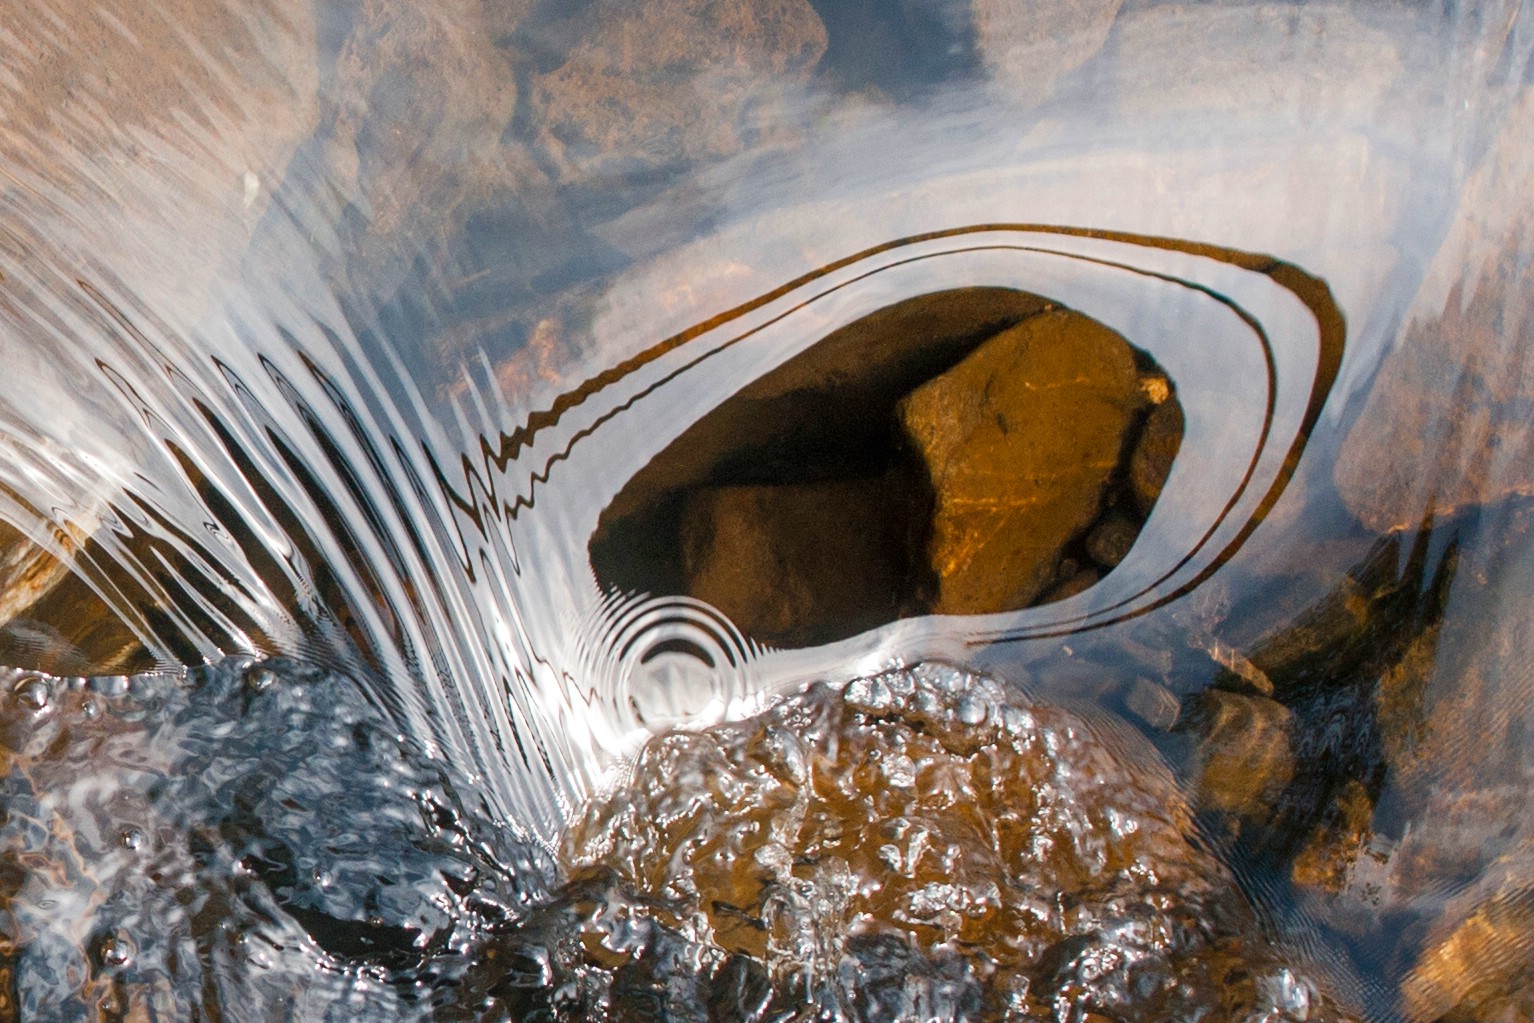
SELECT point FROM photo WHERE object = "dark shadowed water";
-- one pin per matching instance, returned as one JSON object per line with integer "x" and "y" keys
{"x": 332, "y": 332}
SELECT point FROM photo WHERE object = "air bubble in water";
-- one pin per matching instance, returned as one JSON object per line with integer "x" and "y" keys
{"x": 259, "y": 678}
{"x": 116, "y": 951}
{"x": 131, "y": 838}
{"x": 34, "y": 693}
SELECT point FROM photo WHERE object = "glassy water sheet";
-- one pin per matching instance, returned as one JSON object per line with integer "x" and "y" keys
{"x": 331, "y": 332}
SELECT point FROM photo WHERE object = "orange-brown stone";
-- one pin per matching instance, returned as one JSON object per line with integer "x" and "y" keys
{"x": 1020, "y": 440}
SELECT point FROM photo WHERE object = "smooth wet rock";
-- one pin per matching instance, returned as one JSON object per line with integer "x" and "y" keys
{"x": 649, "y": 87}
{"x": 1020, "y": 440}
{"x": 827, "y": 413}
{"x": 1027, "y": 46}
{"x": 797, "y": 563}
{"x": 1157, "y": 446}
{"x": 837, "y": 396}
{"x": 1243, "y": 758}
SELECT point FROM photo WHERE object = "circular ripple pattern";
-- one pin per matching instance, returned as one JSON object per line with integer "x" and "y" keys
{"x": 661, "y": 661}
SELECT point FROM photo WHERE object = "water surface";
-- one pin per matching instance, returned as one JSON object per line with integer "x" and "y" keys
{"x": 331, "y": 334}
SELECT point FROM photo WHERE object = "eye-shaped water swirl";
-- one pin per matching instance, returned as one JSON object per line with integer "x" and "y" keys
{"x": 1252, "y": 343}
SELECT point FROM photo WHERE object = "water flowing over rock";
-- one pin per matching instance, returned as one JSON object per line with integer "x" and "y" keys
{"x": 243, "y": 841}
{"x": 922, "y": 844}
{"x": 179, "y": 116}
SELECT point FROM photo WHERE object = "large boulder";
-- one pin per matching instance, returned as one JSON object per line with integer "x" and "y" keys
{"x": 1007, "y": 850}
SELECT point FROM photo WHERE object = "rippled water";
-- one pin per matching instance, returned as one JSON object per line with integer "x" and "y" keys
{"x": 332, "y": 332}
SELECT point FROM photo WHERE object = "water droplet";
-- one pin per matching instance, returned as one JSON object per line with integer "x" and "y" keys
{"x": 116, "y": 951}
{"x": 971, "y": 710}
{"x": 131, "y": 838}
{"x": 34, "y": 693}
{"x": 259, "y": 678}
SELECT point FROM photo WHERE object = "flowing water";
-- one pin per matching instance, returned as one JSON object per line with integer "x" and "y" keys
{"x": 331, "y": 332}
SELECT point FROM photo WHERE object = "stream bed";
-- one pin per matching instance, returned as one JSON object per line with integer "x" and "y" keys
{"x": 786, "y": 510}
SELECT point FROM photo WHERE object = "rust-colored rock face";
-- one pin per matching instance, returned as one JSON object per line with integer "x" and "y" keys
{"x": 1020, "y": 440}
{"x": 1007, "y": 851}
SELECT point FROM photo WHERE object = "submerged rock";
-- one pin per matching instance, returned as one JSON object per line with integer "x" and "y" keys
{"x": 1020, "y": 441}
{"x": 981, "y": 444}
{"x": 1151, "y": 462}
{"x": 147, "y": 139}
{"x": 1028, "y": 46}
{"x": 647, "y": 87}
{"x": 1478, "y": 968}
{"x": 1243, "y": 758}
{"x": 1328, "y": 854}
{"x": 50, "y": 617}
{"x": 422, "y": 99}
{"x": 26, "y": 572}
{"x": 1446, "y": 425}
